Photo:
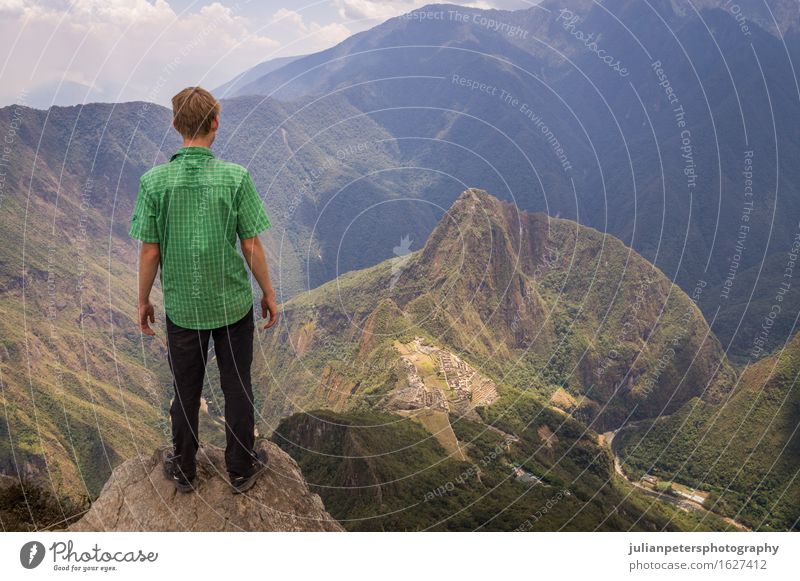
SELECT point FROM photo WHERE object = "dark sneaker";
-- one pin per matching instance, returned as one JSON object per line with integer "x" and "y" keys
{"x": 242, "y": 484}
{"x": 173, "y": 473}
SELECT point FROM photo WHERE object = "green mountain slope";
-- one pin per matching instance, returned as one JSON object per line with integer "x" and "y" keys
{"x": 744, "y": 450}
{"x": 379, "y": 472}
{"x": 540, "y": 304}
{"x": 495, "y": 340}
{"x": 80, "y": 391}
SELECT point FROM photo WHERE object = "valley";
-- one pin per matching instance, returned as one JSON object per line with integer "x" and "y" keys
{"x": 688, "y": 499}
{"x": 740, "y": 453}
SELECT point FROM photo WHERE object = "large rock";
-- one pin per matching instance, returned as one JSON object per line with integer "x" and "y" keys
{"x": 137, "y": 497}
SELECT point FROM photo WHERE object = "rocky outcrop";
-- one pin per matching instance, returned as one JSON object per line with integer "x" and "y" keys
{"x": 137, "y": 497}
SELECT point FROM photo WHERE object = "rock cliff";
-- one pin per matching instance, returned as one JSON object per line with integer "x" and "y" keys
{"x": 137, "y": 497}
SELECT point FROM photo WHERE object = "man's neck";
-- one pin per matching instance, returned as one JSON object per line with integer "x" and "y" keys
{"x": 197, "y": 143}
{"x": 200, "y": 140}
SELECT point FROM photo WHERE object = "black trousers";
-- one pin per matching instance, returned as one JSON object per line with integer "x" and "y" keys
{"x": 188, "y": 354}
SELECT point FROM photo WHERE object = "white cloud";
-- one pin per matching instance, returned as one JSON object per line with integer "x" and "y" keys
{"x": 133, "y": 48}
{"x": 121, "y": 11}
{"x": 13, "y": 6}
{"x": 321, "y": 36}
{"x": 378, "y": 10}
{"x": 286, "y": 16}
{"x": 125, "y": 50}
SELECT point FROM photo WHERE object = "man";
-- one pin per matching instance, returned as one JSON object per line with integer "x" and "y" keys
{"x": 188, "y": 215}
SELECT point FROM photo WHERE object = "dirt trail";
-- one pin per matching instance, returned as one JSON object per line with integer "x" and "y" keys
{"x": 285, "y": 137}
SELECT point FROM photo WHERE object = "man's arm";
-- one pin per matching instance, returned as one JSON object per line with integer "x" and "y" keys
{"x": 149, "y": 260}
{"x": 254, "y": 255}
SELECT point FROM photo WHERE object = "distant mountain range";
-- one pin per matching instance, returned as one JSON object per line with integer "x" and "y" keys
{"x": 516, "y": 103}
{"x": 665, "y": 158}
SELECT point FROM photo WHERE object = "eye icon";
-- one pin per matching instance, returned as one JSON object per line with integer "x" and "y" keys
{"x": 31, "y": 554}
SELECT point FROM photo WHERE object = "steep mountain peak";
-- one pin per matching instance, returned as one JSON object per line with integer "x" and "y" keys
{"x": 138, "y": 497}
{"x": 472, "y": 203}
{"x": 477, "y": 196}
{"x": 481, "y": 230}
{"x": 525, "y": 290}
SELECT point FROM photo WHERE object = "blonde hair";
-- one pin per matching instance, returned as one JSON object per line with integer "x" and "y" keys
{"x": 193, "y": 110}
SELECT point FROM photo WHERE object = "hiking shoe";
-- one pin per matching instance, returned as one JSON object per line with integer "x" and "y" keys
{"x": 173, "y": 473}
{"x": 242, "y": 484}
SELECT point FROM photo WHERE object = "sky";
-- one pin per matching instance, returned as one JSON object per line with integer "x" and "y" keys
{"x": 75, "y": 51}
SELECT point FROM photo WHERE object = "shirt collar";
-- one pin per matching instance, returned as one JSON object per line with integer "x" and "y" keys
{"x": 192, "y": 151}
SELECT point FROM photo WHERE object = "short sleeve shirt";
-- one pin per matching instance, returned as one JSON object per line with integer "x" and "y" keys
{"x": 197, "y": 207}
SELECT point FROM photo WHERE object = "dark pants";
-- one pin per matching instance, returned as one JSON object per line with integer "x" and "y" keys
{"x": 188, "y": 353}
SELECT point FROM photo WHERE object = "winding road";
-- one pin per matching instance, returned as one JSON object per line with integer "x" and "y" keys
{"x": 608, "y": 437}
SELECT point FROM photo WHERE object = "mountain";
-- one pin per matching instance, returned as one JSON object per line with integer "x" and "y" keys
{"x": 540, "y": 303}
{"x": 509, "y": 335}
{"x": 742, "y": 451}
{"x": 678, "y": 146}
{"x": 779, "y": 17}
{"x": 333, "y": 184}
{"x": 234, "y": 86}
{"x": 80, "y": 393}
{"x": 371, "y": 138}
{"x": 65, "y": 93}
{"x": 380, "y": 472}
{"x": 137, "y": 497}
{"x": 82, "y": 389}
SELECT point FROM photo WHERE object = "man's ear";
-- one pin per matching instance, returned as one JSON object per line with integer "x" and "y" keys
{"x": 215, "y": 123}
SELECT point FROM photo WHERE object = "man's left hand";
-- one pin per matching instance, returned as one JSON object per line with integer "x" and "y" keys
{"x": 269, "y": 305}
{"x": 147, "y": 315}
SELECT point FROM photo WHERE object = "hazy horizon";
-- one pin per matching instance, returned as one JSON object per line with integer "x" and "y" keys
{"x": 61, "y": 53}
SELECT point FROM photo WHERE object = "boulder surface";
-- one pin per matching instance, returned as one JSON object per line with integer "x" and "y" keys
{"x": 138, "y": 497}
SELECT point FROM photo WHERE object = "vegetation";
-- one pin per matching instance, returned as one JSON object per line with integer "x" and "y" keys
{"x": 743, "y": 451}
{"x": 497, "y": 312}
{"x": 376, "y": 471}
{"x": 27, "y": 506}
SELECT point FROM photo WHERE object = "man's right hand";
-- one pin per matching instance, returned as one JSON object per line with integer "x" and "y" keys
{"x": 147, "y": 315}
{"x": 269, "y": 305}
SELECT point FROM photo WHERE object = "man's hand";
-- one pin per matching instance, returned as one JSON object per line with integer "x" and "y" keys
{"x": 254, "y": 255}
{"x": 149, "y": 261}
{"x": 147, "y": 315}
{"x": 269, "y": 305}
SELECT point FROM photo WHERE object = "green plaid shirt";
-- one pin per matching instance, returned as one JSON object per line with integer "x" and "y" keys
{"x": 195, "y": 207}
